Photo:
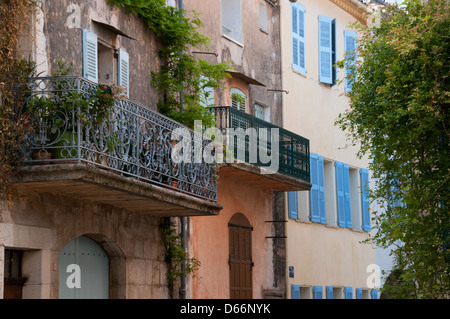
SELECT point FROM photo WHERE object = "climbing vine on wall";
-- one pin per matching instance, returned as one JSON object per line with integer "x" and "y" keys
{"x": 14, "y": 70}
{"x": 182, "y": 77}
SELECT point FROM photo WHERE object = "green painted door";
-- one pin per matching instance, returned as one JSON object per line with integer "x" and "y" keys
{"x": 83, "y": 270}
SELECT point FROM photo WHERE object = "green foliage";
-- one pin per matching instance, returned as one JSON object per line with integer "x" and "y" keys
{"x": 14, "y": 71}
{"x": 95, "y": 108}
{"x": 179, "y": 78}
{"x": 399, "y": 116}
{"x": 175, "y": 254}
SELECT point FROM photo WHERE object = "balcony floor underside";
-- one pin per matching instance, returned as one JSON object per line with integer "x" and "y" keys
{"x": 92, "y": 184}
{"x": 241, "y": 171}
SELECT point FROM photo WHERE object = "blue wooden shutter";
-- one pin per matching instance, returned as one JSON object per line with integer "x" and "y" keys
{"x": 374, "y": 294}
{"x": 295, "y": 292}
{"x": 359, "y": 293}
{"x": 314, "y": 191}
{"x": 318, "y": 292}
{"x": 330, "y": 292}
{"x": 365, "y": 199}
{"x": 340, "y": 193}
{"x": 325, "y": 50}
{"x": 350, "y": 47}
{"x": 292, "y": 205}
{"x": 124, "y": 71}
{"x": 298, "y": 38}
{"x": 333, "y": 52}
{"x": 90, "y": 56}
{"x": 348, "y": 207}
{"x": 348, "y": 292}
{"x": 321, "y": 172}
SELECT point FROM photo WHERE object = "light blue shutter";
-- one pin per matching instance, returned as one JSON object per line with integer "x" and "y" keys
{"x": 359, "y": 293}
{"x": 295, "y": 292}
{"x": 322, "y": 191}
{"x": 317, "y": 192}
{"x": 348, "y": 207}
{"x": 325, "y": 50}
{"x": 292, "y": 205}
{"x": 298, "y": 38}
{"x": 374, "y": 294}
{"x": 350, "y": 47}
{"x": 340, "y": 193}
{"x": 90, "y": 56}
{"x": 318, "y": 292}
{"x": 314, "y": 191}
{"x": 348, "y": 292}
{"x": 365, "y": 199}
{"x": 124, "y": 71}
{"x": 330, "y": 292}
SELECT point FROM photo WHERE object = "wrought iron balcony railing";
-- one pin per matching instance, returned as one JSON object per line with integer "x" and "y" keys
{"x": 73, "y": 121}
{"x": 292, "y": 151}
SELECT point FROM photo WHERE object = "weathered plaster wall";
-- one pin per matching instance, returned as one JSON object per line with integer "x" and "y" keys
{"x": 62, "y": 40}
{"x": 257, "y": 56}
{"x": 42, "y": 224}
{"x": 210, "y": 240}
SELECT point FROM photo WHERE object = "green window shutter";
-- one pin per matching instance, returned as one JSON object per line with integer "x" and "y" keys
{"x": 340, "y": 193}
{"x": 325, "y": 50}
{"x": 330, "y": 292}
{"x": 348, "y": 292}
{"x": 298, "y": 38}
{"x": 90, "y": 56}
{"x": 318, "y": 292}
{"x": 124, "y": 71}
{"x": 350, "y": 48}
{"x": 365, "y": 199}
{"x": 295, "y": 292}
{"x": 292, "y": 205}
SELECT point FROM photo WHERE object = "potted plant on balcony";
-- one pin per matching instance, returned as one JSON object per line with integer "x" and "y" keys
{"x": 60, "y": 109}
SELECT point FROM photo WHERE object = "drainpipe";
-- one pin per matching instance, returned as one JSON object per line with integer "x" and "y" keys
{"x": 182, "y": 221}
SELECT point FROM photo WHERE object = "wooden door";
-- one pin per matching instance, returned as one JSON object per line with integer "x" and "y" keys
{"x": 240, "y": 258}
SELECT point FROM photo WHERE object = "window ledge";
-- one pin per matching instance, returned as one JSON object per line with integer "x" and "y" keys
{"x": 297, "y": 72}
{"x": 232, "y": 40}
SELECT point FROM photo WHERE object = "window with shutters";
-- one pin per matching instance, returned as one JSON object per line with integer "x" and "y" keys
{"x": 355, "y": 198}
{"x": 263, "y": 25}
{"x": 365, "y": 201}
{"x": 298, "y": 38}
{"x": 348, "y": 292}
{"x": 206, "y": 92}
{"x": 327, "y": 50}
{"x": 231, "y": 19}
{"x": 343, "y": 195}
{"x": 350, "y": 49}
{"x": 318, "y": 292}
{"x": 103, "y": 63}
{"x": 238, "y": 99}
{"x": 330, "y": 193}
{"x": 317, "y": 191}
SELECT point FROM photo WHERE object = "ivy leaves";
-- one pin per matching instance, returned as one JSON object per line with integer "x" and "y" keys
{"x": 179, "y": 76}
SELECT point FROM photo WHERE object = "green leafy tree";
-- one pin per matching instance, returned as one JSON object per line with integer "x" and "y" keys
{"x": 399, "y": 116}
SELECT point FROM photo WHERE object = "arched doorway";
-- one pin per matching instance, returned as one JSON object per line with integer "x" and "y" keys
{"x": 83, "y": 270}
{"x": 241, "y": 264}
